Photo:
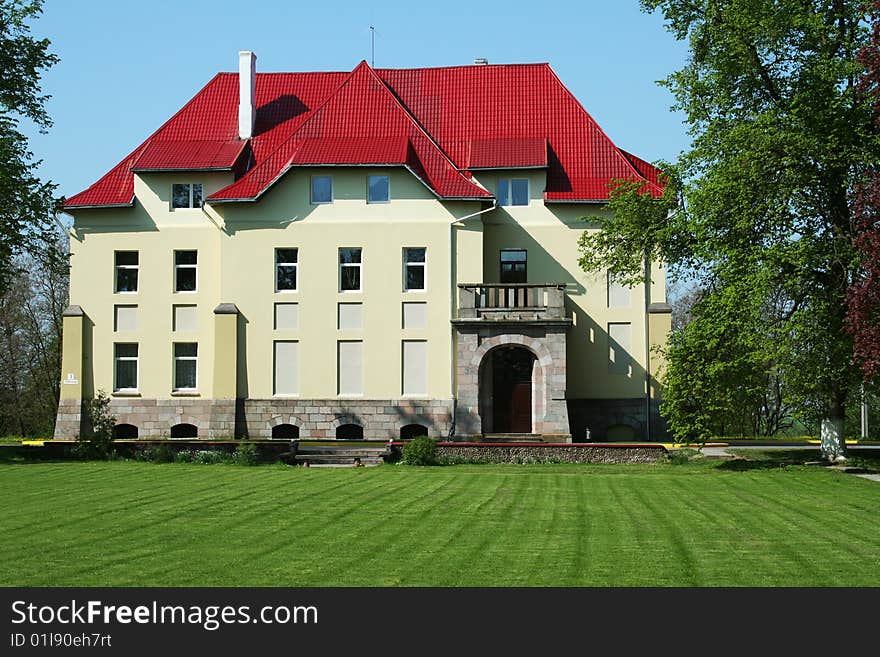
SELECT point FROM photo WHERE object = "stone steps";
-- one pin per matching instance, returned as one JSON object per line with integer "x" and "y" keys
{"x": 511, "y": 438}
{"x": 318, "y": 456}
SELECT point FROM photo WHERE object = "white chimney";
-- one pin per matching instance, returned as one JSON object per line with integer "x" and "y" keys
{"x": 247, "y": 91}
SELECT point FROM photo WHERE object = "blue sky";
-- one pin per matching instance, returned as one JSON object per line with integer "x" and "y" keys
{"x": 127, "y": 67}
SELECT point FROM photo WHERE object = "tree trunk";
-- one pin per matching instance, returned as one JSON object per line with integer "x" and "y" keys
{"x": 833, "y": 441}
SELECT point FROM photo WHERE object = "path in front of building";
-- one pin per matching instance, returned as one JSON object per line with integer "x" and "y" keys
{"x": 718, "y": 451}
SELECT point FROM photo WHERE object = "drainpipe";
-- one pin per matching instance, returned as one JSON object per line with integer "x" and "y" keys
{"x": 648, "y": 347}
{"x": 452, "y": 305}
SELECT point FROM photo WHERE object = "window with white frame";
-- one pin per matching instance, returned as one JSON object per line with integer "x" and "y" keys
{"x": 378, "y": 189}
{"x": 186, "y": 357}
{"x": 185, "y": 275}
{"x": 126, "y": 264}
{"x": 125, "y": 359}
{"x": 513, "y": 191}
{"x": 322, "y": 189}
{"x": 186, "y": 195}
{"x": 414, "y": 269}
{"x": 349, "y": 270}
{"x": 286, "y": 269}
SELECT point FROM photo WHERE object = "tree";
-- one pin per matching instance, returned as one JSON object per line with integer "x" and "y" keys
{"x": 863, "y": 319}
{"x": 31, "y": 306}
{"x": 780, "y": 136}
{"x": 26, "y": 203}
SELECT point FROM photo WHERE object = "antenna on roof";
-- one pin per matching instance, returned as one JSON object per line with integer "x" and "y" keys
{"x": 372, "y": 46}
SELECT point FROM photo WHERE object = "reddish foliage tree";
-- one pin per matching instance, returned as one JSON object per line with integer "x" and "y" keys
{"x": 863, "y": 317}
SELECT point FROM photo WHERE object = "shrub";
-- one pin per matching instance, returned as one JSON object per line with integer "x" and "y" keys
{"x": 420, "y": 451}
{"x": 161, "y": 454}
{"x": 98, "y": 439}
{"x": 245, "y": 454}
{"x": 210, "y": 456}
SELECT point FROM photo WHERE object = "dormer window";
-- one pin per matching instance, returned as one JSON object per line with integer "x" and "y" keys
{"x": 322, "y": 189}
{"x": 513, "y": 191}
{"x": 186, "y": 195}
{"x": 378, "y": 189}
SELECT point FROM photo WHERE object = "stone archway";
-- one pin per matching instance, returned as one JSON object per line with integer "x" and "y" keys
{"x": 511, "y": 390}
{"x": 549, "y": 409}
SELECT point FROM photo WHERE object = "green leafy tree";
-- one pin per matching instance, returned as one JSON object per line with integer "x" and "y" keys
{"x": 26, "y": 202}
{"x": 780, "y": 136}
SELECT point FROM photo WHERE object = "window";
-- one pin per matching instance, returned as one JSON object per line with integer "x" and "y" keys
{"x": 618, "y": 295}
{"x": 415, "y": 367}
{"x": 378, "y": 189}
{"x": 184, "y": 431}
{"x": 185, "y": 271}
{"x": 286, "y": 316}
{"x": 125, "y": 357}
{"x": 415, "y": 315}
{"x": 410, "y": 431}
{"x": 186, "y": 356}
{"x": 514, "y": 265}
{"x": 184, "y": 318}
{"x": 349, "y": 270}
{"x": 285, "y": 432}
{"x": 414, "y": 266}
{"x": 186, "y": 195}
{"x": 349, "y": 363}
{"x": 125, "y": 432}
{"x": 286, "y": 368}
{"x": 285, "y": 270}
{"x": 126, "y": 271}
{"x": 322, "y": 189}
{"x": 125, "y": 318}
{"x": 619, "y": 346}
{"x": 350, "y": 316}
{"x": 350, "y": 432}
{"x": 513, "y": 191}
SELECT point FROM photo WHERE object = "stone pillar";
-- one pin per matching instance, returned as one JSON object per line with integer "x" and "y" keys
{"x": 225, "y": 384}
{"x": 68, "y": 422}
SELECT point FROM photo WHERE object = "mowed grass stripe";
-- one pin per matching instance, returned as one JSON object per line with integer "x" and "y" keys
{"x": 125, "y": 523}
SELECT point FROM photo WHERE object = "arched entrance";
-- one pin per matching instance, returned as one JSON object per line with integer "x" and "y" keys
{"x": 507, "y": 390}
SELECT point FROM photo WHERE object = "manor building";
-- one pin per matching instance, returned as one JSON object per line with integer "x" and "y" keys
{"x": 377, "y": 254}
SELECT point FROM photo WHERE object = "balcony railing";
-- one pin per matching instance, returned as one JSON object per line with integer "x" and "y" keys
{"x": 511, "y": 301}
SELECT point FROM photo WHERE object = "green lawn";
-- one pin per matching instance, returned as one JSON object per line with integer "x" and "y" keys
{"x": 704, "y": 523}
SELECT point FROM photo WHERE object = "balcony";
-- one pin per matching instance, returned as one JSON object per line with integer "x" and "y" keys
{"x": 511, "y": 302}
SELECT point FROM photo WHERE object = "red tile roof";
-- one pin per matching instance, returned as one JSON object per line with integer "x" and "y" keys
{"x": 189, "y": 155}
{"x": 517, "y": 153}
{"x": 437, "y": 122}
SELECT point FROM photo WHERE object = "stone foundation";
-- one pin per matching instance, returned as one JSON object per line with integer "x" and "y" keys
{"x": 222, "y": 419}
{"x": 549, "y": 454}
{"x": 68, "y": 422}
{"x": 319, "y": 418}
{"x": 600, "y": 415}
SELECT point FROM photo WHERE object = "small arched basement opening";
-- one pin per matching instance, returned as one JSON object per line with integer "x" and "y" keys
{"x": 507, "y": 390}
{"x": 410, "y": 431}
{"x": 349, "y": 432}
{"x": 285, "y": 432}
{"x": 125, "y": 432}
{"x": 184, "y": 431}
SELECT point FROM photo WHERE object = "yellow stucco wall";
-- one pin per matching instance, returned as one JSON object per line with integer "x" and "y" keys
{"x": 236, "y": 243}
{"x": 550, "y": 233}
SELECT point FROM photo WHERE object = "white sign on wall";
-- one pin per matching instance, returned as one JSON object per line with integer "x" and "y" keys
{"x": 71, "y": 379}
